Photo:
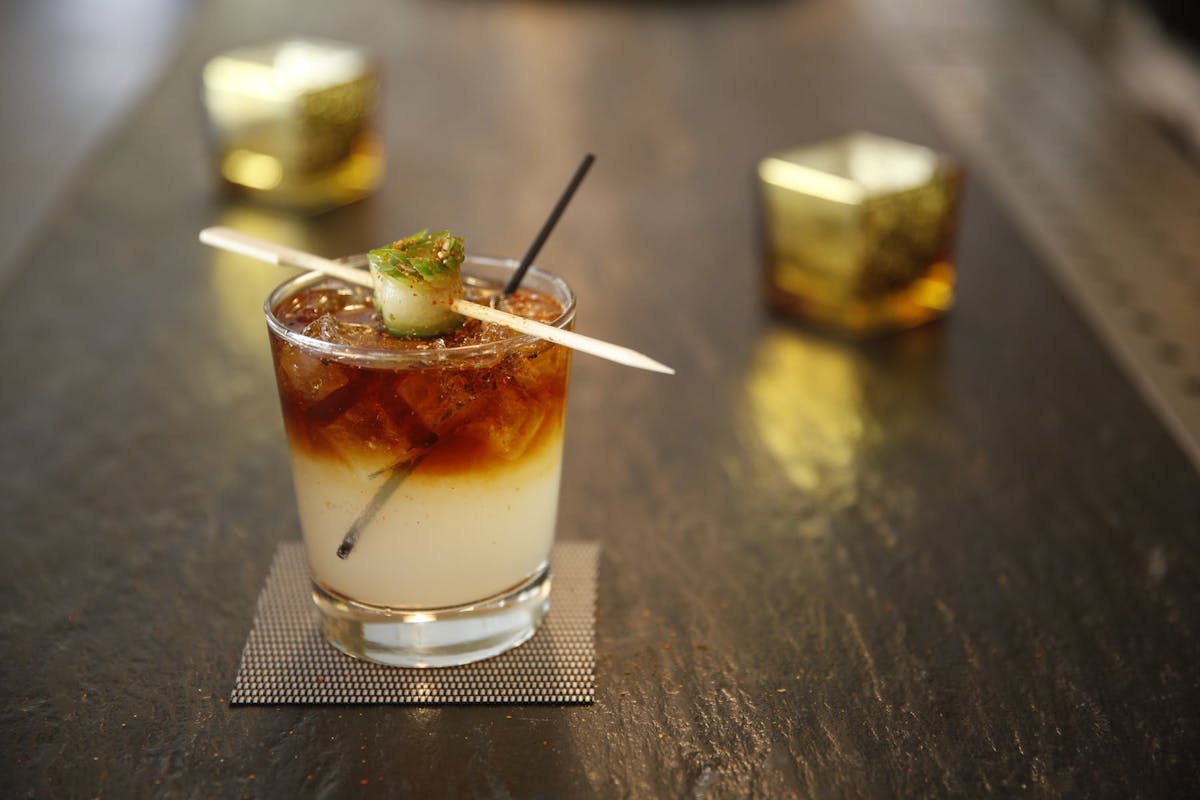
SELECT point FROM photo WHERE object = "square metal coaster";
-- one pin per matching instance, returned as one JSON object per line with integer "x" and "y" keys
{"x": 287, "y": 660}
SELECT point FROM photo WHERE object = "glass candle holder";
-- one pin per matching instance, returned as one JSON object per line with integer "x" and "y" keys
{"x": 860, "y": 233}
{"x": 292, "y": 122}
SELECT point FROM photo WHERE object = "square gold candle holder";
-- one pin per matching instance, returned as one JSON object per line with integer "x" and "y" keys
{"x": 292, "y": 122}
{"x": 859, "y": 233}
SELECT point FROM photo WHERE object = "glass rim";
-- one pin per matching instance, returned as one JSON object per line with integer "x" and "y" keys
{"x": 367, "y": 356}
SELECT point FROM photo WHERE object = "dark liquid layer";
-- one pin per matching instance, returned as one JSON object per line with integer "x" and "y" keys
{"x": 466, "y": 417}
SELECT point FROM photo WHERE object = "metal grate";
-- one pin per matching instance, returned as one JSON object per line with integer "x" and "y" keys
{"x": 287, "y": 660}
{"x": 1111, "y": 206}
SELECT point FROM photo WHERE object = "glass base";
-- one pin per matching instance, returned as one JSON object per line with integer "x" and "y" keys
{"x": 436, "y": 637}
{"x": 924, "y": 299}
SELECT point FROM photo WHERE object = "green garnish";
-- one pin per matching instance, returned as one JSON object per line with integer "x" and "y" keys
{"x": 429, "y": 256}
{"x": 416, "y": 281}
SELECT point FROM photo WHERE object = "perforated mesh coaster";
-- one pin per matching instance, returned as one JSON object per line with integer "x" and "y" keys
{"x": 287, "y": 660}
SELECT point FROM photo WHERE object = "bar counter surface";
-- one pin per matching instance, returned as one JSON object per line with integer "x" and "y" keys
{"x": 960, "y": 561}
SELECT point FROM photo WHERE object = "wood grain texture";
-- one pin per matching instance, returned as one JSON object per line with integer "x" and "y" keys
{"x": 960, "y": 561}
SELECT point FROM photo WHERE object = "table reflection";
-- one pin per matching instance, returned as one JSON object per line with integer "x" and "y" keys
{"x": 239, "y": 285}
{"x": 817, "y": 415}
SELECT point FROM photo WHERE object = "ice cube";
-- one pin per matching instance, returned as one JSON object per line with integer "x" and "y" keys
{"x": 306, "y": 306}
{"x": 328, "y": 328}
{"x": 307, "y": 377}
{"x": 440, "y": 399}
{"x": 509, "y": 423}
{"x": 372, "y": 436}
{"x": 538, "y": 367}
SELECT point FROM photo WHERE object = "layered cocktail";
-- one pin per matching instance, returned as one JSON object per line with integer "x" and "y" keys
{"x": 426, "y": 467}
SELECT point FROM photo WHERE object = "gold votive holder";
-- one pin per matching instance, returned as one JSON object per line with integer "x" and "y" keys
{"x": 859, "y": 233}
{"x": 292, "y": 122}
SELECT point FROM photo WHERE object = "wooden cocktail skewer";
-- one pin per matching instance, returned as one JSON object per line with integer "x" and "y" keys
{"x": 272, "y": 253}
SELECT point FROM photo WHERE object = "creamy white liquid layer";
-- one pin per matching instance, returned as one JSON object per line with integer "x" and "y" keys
{"x": 441, "y": 540}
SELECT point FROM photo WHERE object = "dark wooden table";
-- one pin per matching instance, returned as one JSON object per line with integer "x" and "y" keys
{"x": 961, "y": 561}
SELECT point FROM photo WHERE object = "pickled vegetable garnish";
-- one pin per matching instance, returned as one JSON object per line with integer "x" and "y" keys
{"x": 416, "y": 281}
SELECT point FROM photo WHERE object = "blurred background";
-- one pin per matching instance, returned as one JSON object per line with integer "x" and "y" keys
{"x": 70, "y": 68}
{"x": 1151, "y": 50}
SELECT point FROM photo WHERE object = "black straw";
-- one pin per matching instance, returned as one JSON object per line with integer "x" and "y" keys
{"x": 551, "y": 221}
{"x": 399, "y": 473}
